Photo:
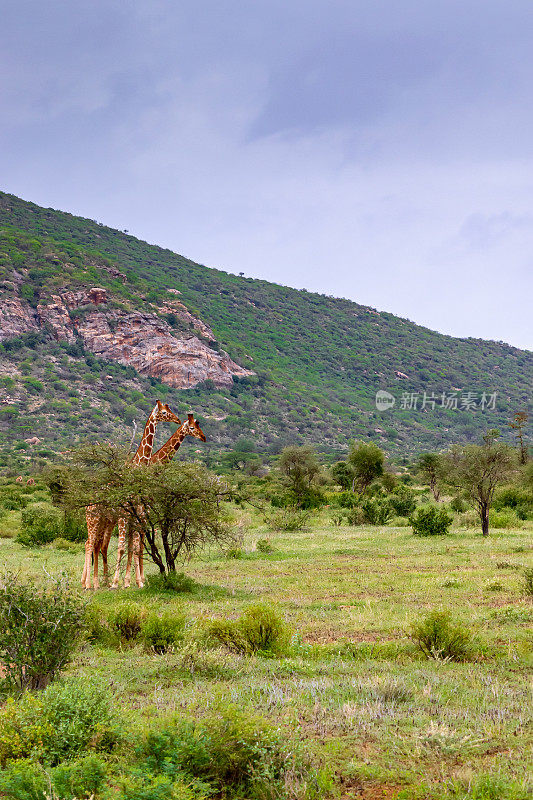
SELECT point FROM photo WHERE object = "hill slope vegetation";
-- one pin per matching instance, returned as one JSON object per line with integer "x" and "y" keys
{"x": 306, "y": 366}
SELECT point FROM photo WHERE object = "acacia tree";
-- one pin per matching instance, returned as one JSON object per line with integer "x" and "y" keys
{"x": 299, "y": 468}
{"x": 478, "y": 469}
{"x": 367, "y": 462}
{"x": 176, "y": 506}
{"x": 430, "y": 467}
{"x": 518, "y": 424}
{"x": 342, "y": 474}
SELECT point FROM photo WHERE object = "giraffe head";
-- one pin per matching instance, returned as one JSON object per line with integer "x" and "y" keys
{"x": 162, "y": 413}
{"x": 191, "y": 428}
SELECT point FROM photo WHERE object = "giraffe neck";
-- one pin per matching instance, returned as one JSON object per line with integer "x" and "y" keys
{"x": 167, "y": 452}
{"x": 146, "y": 445}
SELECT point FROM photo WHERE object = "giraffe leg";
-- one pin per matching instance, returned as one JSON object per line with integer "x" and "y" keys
{"x": 127, "y": 577}
{"x": 86, "y": 577}
{"x": 92, "y": 523}
{"x": 108, "y": 532}
{"x": 141, "y": 559}
{"x": 120, "y": 553}
{"x": 137, "y": 544}
{"x": 95, "y": 565}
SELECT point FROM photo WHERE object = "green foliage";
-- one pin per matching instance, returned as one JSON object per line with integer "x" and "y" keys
{"x": 41, "y": 524}
{"x": 259, "y": 629}
{"x": 127, "y": 620}
{"x": 504, "y": 519}
{"x": 299, "y": 468}
{"x": 230, "y": 752}
{"x": 439, "y": 637}
{"x": 528, "y": 581}
{"x": 39, "y": 630}
{"x": 342, "y": 474}
{"x": 367, "y": 462}
{"x": 265, "y": 546}
{"x": 162, "y": 633}
{"x": 377, "y": 510}
{"x": 288, "y": 519}
{"x": 60, "y": 723}
{"x": 170, "y": 583}
{"x": 519, "y": 499}
{"x": 403, "y": 500}
{"x": 458, "y": 504}
{"x": 430, "y": 521}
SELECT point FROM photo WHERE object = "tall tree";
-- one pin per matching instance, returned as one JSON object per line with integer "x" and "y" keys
{"x": 518, "y": 424}
{"x": 430, "y": 468}
{"x": 367, "y": 462}
{"x": 299, "y": 468}
{"x": 342, "y": 474}
{"x": 478, "y": 470}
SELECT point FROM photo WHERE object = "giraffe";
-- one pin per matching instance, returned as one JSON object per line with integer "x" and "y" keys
{"x": 100, "y": 523}
{"x": 134, "y": 538}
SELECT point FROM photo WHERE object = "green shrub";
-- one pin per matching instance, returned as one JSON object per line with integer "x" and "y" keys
{"x": 59, "y": 723}
{"x": 170, "y": 582}
{"x": 265, "y": 546}
{"x": 228, "y": 634}
{"x": 458, "y": 504}
{"x": 337, "y": 519}
{"x": 259, "y": 629}
{"x": 438, "y": 637}
{"x": 163, "y": 633}
{"x": 528, "y": 580}
{"x": 504, "y": 519}
{"x": 355, "y": 516}
{"x": 41, "y": 524}
{"x": 517, "y": 499}
{"x": 232, "y": 752}
{"x": 82, "y": 778}
{"x": 127, "y": 620}
{"x": 377, "y": 510}
{"x": 64, "y": 544}
{"x": 161, "y": 787}
{"x": 288, "y": 519}
{"x": 346, "y": 499}
{"x": 39, "y": 630}
{"x": 28, "y": 780}
{"x": 403, "y": 501}
{"x": 430, "y": 521}
{"x": 263, "y": 629}
{"x": 234, "y": 552}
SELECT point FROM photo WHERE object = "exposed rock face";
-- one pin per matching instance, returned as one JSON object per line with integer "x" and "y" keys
{"x": 146, "y": 342}
{"x": 54, "y": 314}
{"x": 142, "y": 340}
{"x": 16, "y": 317}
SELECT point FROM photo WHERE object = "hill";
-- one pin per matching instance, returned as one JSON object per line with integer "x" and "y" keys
{"x": 95, "y": 324}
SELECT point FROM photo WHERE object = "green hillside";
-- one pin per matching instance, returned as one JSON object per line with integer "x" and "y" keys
{"x": 318, "y": 360}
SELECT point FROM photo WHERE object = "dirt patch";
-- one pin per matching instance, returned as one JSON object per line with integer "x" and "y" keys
{"x": 380, "y": 791}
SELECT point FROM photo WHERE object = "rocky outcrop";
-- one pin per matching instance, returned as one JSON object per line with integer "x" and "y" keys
{"x": 146, "y": 342}
{"x": 16, "y": 317}
{"x": 143, "y": 340}
{"x": 55, "y": 316}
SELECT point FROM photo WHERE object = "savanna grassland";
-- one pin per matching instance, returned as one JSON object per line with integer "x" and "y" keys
{"x": 377, "y": 718}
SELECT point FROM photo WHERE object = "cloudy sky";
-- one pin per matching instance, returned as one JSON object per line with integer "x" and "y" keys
{"x": 380, "y": 150}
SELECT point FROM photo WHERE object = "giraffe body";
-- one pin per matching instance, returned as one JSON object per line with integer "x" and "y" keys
{"x": 130, "y": 533}
{"x": 100, "y": 524}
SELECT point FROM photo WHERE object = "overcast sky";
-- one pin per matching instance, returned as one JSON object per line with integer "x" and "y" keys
{"x": 380, "y": 150}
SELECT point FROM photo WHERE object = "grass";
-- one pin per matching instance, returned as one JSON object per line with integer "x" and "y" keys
{"x": 352, "y": 687}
